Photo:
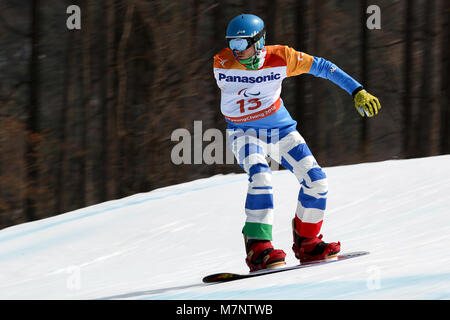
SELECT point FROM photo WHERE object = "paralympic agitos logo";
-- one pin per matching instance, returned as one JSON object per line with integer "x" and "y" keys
{"x": 247, "y": 94}
{"x": 270, "y": 77}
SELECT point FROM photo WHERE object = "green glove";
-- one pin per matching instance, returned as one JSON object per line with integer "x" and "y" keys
{"x": 367, "y": 104}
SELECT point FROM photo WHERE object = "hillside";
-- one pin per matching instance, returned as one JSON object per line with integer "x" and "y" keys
{"x": 159, "y": 245}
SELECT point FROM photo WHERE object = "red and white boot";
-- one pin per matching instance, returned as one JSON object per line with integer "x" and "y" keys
{"x": 311, "y": 249}
{"x": 262, "y": 255}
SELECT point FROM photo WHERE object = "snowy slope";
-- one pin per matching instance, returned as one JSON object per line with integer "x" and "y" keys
{"x": 159, "y": 245}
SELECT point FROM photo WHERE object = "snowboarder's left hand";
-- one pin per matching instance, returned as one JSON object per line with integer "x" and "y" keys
{"x": 366, "y": 104}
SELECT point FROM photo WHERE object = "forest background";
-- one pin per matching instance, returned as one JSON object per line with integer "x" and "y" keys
{"x": 86, "y": 115}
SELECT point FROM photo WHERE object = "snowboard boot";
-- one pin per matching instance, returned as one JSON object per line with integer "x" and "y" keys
{"x": 262, "y": 255}
{"x": 312, "y": 249}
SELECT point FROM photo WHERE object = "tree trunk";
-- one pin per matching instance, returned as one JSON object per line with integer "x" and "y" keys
{"x": 317, "y": 136}
{"x": 407, "y": 78}
{"x": 63, "y": 121}
{"x": 102, "y": 171}
{"x": 122, "y": 97}
{"x": 84, "y": 158}
{"x": 445, "y": 85}
{"x": 301, "y": 45}
{"x": 112, "y": 137}
{"x": 424, "y": 121}
{"x": 271, "y": 9}
{"x": 364, "y": 141}
{"x": 32, "y": 122}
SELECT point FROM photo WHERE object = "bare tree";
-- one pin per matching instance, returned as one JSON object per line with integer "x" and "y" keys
{"x": 364, "y": 60}
{"x": 445, "y": 84}
{"x": 63, "y": 121}
{"x": 111, "y": 121}
{"x": 424, "y": 120}
{"x": 302, "y": 45}
{"x": 408, "y": 78}
{"x": 32, "y": 123}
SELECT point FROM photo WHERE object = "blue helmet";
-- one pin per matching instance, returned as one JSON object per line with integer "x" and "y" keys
{"x": 244, "y": 31}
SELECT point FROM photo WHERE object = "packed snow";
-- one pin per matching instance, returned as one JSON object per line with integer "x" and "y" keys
{"x": 160, "y": 244}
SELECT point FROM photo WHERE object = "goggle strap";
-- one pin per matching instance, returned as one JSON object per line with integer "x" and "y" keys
{"x": 254, "y": 39}
{"x": 257, "y": 36}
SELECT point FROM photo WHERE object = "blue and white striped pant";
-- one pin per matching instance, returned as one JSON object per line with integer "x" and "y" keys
{"x": 293, "y": 153}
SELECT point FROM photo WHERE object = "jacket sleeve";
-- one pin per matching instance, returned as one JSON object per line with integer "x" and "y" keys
{"x": 325, "y": 69}
{"x": 297, "y": 62}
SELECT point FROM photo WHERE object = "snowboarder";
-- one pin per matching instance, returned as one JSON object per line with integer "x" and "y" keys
{"x": 250, "y": 75}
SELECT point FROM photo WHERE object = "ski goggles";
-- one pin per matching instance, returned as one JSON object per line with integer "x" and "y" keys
{"x": 243, "y": 43}
{"x": 239, "y": 44}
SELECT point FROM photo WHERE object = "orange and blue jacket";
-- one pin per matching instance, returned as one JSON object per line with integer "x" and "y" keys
{"x": 252, "y": 98}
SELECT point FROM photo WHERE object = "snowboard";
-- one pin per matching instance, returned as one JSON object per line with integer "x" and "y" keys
{"x": 228, "y": 276}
